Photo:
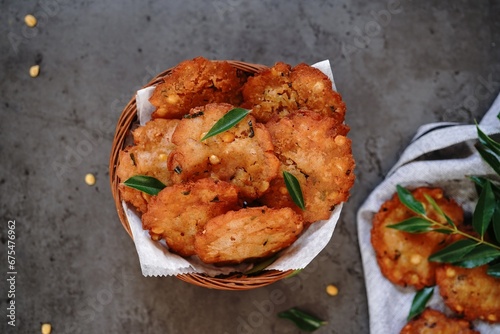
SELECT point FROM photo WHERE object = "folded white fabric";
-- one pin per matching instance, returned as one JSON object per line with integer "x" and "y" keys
{"x": 440, "y": 155}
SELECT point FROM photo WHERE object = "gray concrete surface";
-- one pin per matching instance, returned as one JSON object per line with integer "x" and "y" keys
{"x": 398, "y": 64}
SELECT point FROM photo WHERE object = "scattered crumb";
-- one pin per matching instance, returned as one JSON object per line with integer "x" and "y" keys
{"x": 30, "y": 20}
{"x": 332, "y": 290}
{"x": 90, "y": 179}
{"x": 46, "y": 328}
{"x": 34, "y": 71}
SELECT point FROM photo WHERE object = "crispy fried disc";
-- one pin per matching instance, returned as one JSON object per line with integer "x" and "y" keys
{"x": 247, "y": 234}
{"x": 317, "y": 152}
{"x": 195, "y": 83}
{"x": 470, "y": 292}
{"x": 434, "y": 322}
{"x": 178, "y": 212}
{"x": 402, "y": 256}
{"x": 148, "y": 156}
{"x": 281, "y": 90}
{"x": 242, "y": 155}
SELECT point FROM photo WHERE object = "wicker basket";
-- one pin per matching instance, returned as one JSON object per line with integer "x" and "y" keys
{"x": 231, "y": 282}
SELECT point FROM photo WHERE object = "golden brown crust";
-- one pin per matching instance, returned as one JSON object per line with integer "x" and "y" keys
{"x": 317, "y": 152}
{"x": 402, "y": 256}
{"x": 178, "y": 212}
{"x": 434, "y": 322}
{"x": 471, "y": 293}
{"x": 247, "y": 234}
{"x": 281, "y": 90}
{"x": 148, "y": 156}
{"x": 242, "y": 155}
{"x": 194, "y": 83}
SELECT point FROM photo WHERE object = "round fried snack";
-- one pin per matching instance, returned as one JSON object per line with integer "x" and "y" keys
{"x": 178, "y": 212}
{"x": 195, "y": 83}
{"x": 317, "y": 152}
{"x": 242, "y": 155}
{"x": 402, "y": 256}
{"x": 281, "y": 90}
{"x": 148, "y": 156}
{"x": 434, "y": 322}
{"x": 247, "y": 234}
{"x": 471, "y": 293}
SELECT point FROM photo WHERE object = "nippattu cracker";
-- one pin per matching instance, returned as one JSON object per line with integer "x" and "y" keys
{"x": 402, "y": 256}
{"x": 194, "y": 83}
{"x": 471, "y": 293}
{"x": 281, "y": 90}
{"x": 247, "y": 234}
{"x": 317, "y": 152}
{"x": 148, "y": 156}
{"x": 242, "y": 155}
{"x": 434, "y": 322}
{"x": 178, "y": 212}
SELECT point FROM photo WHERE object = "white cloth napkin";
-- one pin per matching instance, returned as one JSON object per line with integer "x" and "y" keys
{"x": 440, "y": 155}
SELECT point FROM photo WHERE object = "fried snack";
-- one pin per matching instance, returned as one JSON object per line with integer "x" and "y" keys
{"x": 471, "y": 293}
{"x": 402, "y": 256}
{"x": 148, "y": 156}
{"x": 434, "y": 322}
{"x": 247, "y": 234}
{"x": 242, "y": 155}
{"x": 195, "y": 83}
{"x": 317, "y": 152}
{"x": 281, "y": 90}
{"x": 178, "y": 212}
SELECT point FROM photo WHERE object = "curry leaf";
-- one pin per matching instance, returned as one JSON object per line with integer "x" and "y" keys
{"x": 494, "y": 270}
{"x": 258, "y": 267}
{"x": 485, "y": 140}
{"x": 420, "y": 301}
{"x": 146, "y": 184}
{"x": 454, "y": 252}
{"x": 233, "y": 117}
{"x": 303, "y": 320}
{"x": 482, "y": 254}
{"x": 481, "y": 181}
{"x": 409, "y": 201}
{"x": 293, "y": 187}
{"x": 495, "y": 221}
{"x": 484, "y": 210}
{"x": 490, "y": 158}
{"x": 413, "y": 225}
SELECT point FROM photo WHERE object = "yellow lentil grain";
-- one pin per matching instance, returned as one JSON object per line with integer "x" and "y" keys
{"x": 332, "y": 290}
{"x": 34, "y": 71}
{"x": 214, "y": 160}
{"x": 30, "y": 20}
{"x": 46, "y": 328}
{"x": 450, "y": 272}
{"x": 90, "y": 179}
{"x": 415, "y": 259}
{"x": 228, "y": 137}
{"x": 492, "y": 317}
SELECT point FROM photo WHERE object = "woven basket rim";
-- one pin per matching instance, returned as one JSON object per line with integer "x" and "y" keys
{"x": 127, "y": 118}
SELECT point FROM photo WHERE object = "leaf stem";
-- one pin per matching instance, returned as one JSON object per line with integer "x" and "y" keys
{"x": 455, "y": 230}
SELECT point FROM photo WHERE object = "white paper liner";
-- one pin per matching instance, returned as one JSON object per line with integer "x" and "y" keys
{"x": 156, "y": 260}
{"x": 389, "y": 304}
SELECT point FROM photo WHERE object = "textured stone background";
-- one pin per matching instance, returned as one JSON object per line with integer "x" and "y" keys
{"x": 398, "y": 65}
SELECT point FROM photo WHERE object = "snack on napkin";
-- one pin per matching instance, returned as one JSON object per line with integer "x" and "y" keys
{"x": 243, "y": 159}
{"x": 470, "y": 293}
{"x": 402, "y": 256}
{"x": 434, "y": 322}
